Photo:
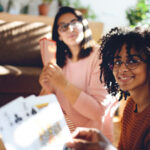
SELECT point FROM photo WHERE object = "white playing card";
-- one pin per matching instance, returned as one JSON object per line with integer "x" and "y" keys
{"x": 33, "y": 103}
{"x": 29, "y": 107}
{"x": 12, "y": 113}
{"x": 48, "y": 51}
{"x": 46, "y": 130}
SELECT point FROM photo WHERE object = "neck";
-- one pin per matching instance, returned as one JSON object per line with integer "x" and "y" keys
{"x": 141, "y": 97}
{"x": 75, "y": 52}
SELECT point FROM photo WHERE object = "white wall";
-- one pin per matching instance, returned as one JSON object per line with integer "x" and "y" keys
{"x": 110, "y": 12}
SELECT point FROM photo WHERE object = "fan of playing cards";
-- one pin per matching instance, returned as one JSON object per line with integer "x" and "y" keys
{"x": 33, "y": 123}
{"x": 48, "y": 51}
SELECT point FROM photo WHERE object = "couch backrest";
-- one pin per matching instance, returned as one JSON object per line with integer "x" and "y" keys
{"x": 20, "y": 35}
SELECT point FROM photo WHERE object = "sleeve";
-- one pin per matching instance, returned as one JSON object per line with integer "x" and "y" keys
{"x": 93, "y": 103}
{"x": 147, "y": 141}
{"x": 120, "y": 144}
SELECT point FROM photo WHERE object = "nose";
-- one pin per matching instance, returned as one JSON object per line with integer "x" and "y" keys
{"x": 123, "y": 67}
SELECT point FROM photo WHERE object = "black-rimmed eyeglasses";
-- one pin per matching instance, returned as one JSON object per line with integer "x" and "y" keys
{"x": 131, "y": 63}
{"x": 63, "y": 27}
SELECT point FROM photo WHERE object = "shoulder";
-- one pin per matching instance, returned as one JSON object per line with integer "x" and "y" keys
{"x": 129, "y": 107}
{"x": 94, "y": 56}
{"x": 130, "y": 104}
{"x": 95, "y": 49}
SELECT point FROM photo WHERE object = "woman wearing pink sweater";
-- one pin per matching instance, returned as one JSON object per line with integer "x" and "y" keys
{"x": 75, "y": 78}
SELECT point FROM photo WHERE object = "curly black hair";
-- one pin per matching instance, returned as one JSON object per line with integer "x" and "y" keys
{"x": 137, "y": 38}
{"x": 63, "y": 50}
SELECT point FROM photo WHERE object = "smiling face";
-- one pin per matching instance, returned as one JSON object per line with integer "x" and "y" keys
{"x": 130, "y": 79}
{"x": 70, "y": 30}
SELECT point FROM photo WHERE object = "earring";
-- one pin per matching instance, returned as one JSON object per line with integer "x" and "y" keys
{"x": 65, "y": 50}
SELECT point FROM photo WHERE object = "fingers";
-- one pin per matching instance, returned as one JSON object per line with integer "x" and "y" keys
{"x": 54, "y": 66}
{"x": 83, "y": 145}
{"x": 44, "y": 77}
{"x": 89, "y": 134}
{"x": 51, "y": 69}
{"x": 54, "y": 71}
{"x": 81, "y": 133}
{"x": 48, "y": 70}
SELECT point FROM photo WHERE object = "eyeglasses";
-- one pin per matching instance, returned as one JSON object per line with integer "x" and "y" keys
{"x": 64, "y": 26}
{"x": 131, "y": 63}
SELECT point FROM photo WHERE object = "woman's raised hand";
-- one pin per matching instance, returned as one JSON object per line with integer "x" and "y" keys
{"x": 52, "y": 77}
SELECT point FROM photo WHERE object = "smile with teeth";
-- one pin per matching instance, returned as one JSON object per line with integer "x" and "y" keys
{"x": 124, "y": 78}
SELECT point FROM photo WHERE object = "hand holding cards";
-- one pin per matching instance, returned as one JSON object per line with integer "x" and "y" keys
{"x": 33, "y": 123}
{"x": 48, "y": 51}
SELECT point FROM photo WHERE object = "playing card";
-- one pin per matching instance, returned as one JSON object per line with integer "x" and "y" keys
{"x": 29, "y": 106}
{"x": 48, "y": 51}
{"x": 34, "y": 104}
{"x": 12, "y": 113}
{"x": 46, "y": 130}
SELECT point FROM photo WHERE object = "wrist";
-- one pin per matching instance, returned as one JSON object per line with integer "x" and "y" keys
{"x": 65, "y": 86}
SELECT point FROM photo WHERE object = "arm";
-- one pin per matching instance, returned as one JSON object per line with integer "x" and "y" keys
{"x": 52, "y": 78}
{"x": 95, "y": 94}
{"x": 44, "y": 82}
{"x": 147, "y": 141}
{"x": 120, "y": 143}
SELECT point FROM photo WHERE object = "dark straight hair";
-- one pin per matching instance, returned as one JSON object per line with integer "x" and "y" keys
{"x": 62, "y": 49}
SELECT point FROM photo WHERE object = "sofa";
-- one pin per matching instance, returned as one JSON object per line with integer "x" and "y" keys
{"x": 20, "y": 59}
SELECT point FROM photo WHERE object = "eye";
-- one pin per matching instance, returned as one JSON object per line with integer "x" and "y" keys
{"x": 74, "y": 22}
{"x": 63, "y": 26}
{"x": 133, "y": 61}
{"x": 117, "y": 62}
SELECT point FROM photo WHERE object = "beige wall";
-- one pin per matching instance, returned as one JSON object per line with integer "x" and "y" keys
{"x": 96, "y": 27}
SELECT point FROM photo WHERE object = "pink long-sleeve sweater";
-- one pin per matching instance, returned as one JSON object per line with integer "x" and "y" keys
{"x": 92, "y": 108}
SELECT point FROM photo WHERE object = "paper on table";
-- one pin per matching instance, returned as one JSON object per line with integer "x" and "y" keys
{"x": 46, "y": 130}
{"x": 48, "y": 51}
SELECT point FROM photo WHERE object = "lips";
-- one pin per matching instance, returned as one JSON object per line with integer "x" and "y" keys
{"x": 124, "y": 79}
{"x": 72, "y": 36}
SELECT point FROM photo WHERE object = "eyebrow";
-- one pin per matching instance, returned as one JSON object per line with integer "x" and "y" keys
{"x": 68, "y": 22}
{"x": 118, "y": 57}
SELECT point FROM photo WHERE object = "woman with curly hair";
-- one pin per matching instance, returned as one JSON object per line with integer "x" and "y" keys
{"x": 75, "y": 78}
{"x": 125, "y": 68}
